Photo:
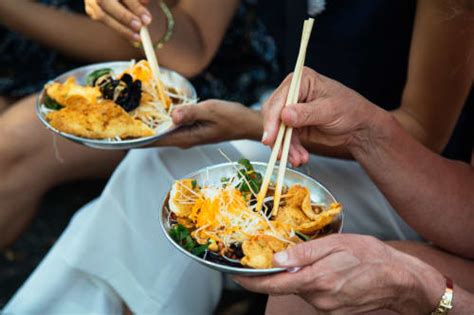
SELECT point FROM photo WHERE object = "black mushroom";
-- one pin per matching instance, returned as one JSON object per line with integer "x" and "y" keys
{"x": 124, "y": 91}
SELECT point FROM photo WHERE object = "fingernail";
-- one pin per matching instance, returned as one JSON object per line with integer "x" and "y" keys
{"x": 137, "y": 38}
{"x": 146, "y": 19}
{"x": 265, "y": 136}
{"x": 294, "y": 269}
{"x": 135, "y": 24}
{"x": 281, "y": 257}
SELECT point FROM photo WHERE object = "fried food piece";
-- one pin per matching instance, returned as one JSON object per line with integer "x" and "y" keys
{"x": 258, "y": 251}
{"x": 97, "y": 121}
{"x": 183, "y": 196}
{"x": 291, "y": 216}
{"x": 71, "y": 93}
{"x": 322, "y": 219}
{"x": 299, "y": 197}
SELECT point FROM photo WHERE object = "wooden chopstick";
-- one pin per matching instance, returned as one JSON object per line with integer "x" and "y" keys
{"x": 284, "y": 134}
{"x": 155, "y": 68}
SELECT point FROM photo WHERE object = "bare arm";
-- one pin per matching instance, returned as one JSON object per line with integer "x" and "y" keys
{"x": 198, "y": 32}
{"x": 441, "y": 68}
{"x": 434, "y": 195}
{"x": 440, "y": 71}
{"x": 200, "y": 27}
{"x": 71, "y": 34}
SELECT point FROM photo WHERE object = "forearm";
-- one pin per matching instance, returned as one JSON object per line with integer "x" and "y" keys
{"x": 421, "y": 287}
{"x": 433, "y": 194}
{"x": 440, "y": 71}
{"x": 253, "y": 129}
{"x": 196, "y": 36}
{"x": 186, "y": 44}
{"x": 71, "y": 34}
{"x": 440, "y": 74}
{"x": 463, "y": 302}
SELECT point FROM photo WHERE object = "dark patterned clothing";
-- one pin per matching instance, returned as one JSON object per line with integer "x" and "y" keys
{"x": 244, "y": 66}
{"x": 363, "y": 44}
{"x": 26, "y": 65}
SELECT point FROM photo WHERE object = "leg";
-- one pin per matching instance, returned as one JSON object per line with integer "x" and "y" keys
{"x": 29, "y": 165}
{"x": 117, "y": 240}
{"x": 458, "y": 269}
{"x": 4, "y": 103}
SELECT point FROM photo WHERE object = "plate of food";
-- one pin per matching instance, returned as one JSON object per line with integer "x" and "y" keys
{"x": 210, "y": 216}
{"x": 113, "y": 105}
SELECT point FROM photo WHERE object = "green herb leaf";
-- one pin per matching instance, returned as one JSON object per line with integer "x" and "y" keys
{"x": 194, "y": 183}
{"x": 90, "y": 79}
{"x": 182, "y": 236}
{"x": 304, "y": 237}
{"x": 246, "y": 163}
{"x": 51, "y": 104}
{"x": 253, "y": 180}
{"x": 199, "y": 250}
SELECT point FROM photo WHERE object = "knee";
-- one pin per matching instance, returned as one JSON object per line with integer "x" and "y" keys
{"x": 19, "y": 129}
{"x": 16, "y": 145}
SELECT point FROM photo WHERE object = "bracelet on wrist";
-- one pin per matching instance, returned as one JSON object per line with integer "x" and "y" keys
{"x": 169, "y": 28}
{"x": 169, "y": 25}
{"x": 446, "y": 302}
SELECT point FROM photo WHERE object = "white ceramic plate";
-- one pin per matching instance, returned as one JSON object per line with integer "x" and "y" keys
{"x": 169, "y": 77}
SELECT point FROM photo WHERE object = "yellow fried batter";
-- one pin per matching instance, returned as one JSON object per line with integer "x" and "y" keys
{"x": 321, "y": 220}
{"x": 70, "y": 93}
{"x": 295, "y": 216}
{"x": 258, "y": 251}
{"x": 97, "y": 120}
{"x": 183, "y": 197}
{"x": 291, "y": 216}
{"x": 299, "y": 197}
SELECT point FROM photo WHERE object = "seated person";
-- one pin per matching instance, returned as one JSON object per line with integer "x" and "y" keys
{"x": 40, "y": 40}
{"x": 351, "y": 273}
{"x": 29, "y": 32}
{"x": 140, "y": 269}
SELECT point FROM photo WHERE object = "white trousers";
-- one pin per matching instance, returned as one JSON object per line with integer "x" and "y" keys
{"x": 113, "y": 251}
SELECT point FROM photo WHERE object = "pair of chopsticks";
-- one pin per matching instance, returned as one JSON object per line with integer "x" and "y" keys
{"x": 155, "y": 68}
{"x": 285, "y": 132}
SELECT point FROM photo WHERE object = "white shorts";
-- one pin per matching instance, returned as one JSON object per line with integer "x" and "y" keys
{"x": 113, "y": 251}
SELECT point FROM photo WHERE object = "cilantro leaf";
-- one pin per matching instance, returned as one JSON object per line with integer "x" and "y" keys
{"x": 51, "y": 104}
{"x": 182, "y": 236}
{"x": 94, "y": 75}
{"x": 253, "y": 180}
{"x": 304, "y": 237}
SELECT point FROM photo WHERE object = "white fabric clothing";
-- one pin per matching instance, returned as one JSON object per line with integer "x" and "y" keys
{"x": 113, "y": 249}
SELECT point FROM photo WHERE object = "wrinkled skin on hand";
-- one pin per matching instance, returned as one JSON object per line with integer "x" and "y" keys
{"x": 348, "y": 274}
{"x": 328, "y": 113}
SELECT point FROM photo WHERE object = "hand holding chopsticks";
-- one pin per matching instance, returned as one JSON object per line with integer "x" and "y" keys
{"x": 284, "y": 134}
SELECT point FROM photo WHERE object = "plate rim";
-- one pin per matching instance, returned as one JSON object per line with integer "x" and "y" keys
{"x": 224, "y": 268}
{"x": 100, "y": 143}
